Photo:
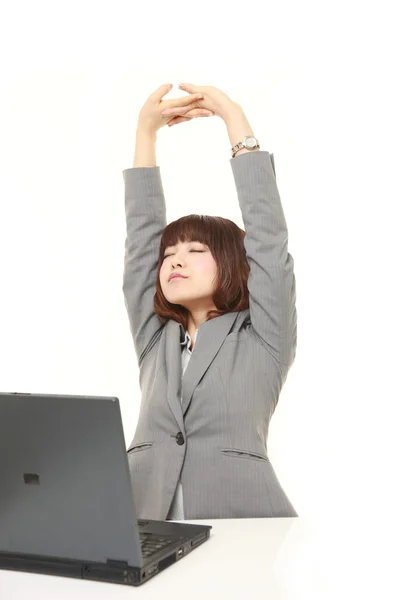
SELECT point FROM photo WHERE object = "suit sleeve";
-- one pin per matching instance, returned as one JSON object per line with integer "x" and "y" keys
{"x": 145, "y": 220}
{"x": 272, "y": 283}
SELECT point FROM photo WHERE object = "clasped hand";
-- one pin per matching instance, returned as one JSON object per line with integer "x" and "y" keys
{"x": 201, "y": 101}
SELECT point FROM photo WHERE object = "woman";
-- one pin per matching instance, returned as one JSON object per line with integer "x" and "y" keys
{"x": 215, "y": 345}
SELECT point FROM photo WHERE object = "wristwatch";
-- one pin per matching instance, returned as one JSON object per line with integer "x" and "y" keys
{"x": 249, "y": 142}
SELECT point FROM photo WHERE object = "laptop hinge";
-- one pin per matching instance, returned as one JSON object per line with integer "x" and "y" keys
{"x": 120, "y": 564}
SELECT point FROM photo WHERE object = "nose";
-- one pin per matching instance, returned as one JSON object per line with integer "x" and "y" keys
{"x": 176, "y": 262}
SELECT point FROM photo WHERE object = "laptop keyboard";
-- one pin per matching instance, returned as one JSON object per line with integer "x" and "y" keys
{"x": 151, "y": 543}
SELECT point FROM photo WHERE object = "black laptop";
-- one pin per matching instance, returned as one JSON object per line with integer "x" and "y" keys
{"x": 66, "y": 499}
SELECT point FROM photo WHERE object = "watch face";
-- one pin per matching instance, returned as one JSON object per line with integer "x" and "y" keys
{"x": 251, "y": 142}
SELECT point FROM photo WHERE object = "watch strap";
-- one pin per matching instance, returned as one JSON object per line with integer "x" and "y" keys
{"x": 241, "y": 145}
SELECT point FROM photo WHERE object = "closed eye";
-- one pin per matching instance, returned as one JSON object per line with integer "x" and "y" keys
{"x": 189, "y": 251}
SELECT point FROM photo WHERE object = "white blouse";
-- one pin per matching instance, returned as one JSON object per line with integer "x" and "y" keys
{"x": 176, "y": 510}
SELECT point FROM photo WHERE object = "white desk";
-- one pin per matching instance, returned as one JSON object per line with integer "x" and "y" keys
{"x": 271, "y": 559}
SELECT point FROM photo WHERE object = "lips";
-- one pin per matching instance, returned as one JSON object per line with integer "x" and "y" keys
{"x": 177, "y": 277}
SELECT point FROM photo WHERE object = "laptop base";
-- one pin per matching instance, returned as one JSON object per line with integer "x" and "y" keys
{"x": 112, "y": 572}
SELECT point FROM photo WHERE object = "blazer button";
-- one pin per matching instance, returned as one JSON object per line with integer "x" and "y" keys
{"x": 179, "y": 439}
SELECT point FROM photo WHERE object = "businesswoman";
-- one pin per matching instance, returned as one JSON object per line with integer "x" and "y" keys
{"x": 212, "y": 312}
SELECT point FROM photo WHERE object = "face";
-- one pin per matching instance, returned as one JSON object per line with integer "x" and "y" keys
{"x": 195, "y": 261}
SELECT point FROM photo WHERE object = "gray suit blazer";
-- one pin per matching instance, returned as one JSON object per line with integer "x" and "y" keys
{"x": 216, "y": 441}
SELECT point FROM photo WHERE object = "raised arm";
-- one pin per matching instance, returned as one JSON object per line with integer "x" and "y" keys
{"x": 145, "y": 220}
{"x": 272, "y": 282}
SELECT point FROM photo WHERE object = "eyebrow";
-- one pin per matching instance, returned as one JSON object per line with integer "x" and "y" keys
{"x": 192, "y": 242}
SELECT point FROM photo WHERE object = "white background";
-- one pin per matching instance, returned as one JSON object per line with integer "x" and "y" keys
{"x": 318, "y": 83}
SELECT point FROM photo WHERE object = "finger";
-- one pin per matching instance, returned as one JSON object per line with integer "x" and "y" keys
{"x": 189, "y": 117}
{"x": 180, "y": 110}
{"x": 195, "y": 112}
{"x": 199, "y": 112}
{"x": 181, "y": 102}
{"x": 187, "y": 87}
{"x": 160, "y": 92}
{"x": 178, "y": 120}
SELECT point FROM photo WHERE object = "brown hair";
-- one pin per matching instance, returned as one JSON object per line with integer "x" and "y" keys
{"x": 226, "y": 242}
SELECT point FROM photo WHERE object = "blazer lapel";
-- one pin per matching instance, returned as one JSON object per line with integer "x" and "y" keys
{"x": 210, "y": 337}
